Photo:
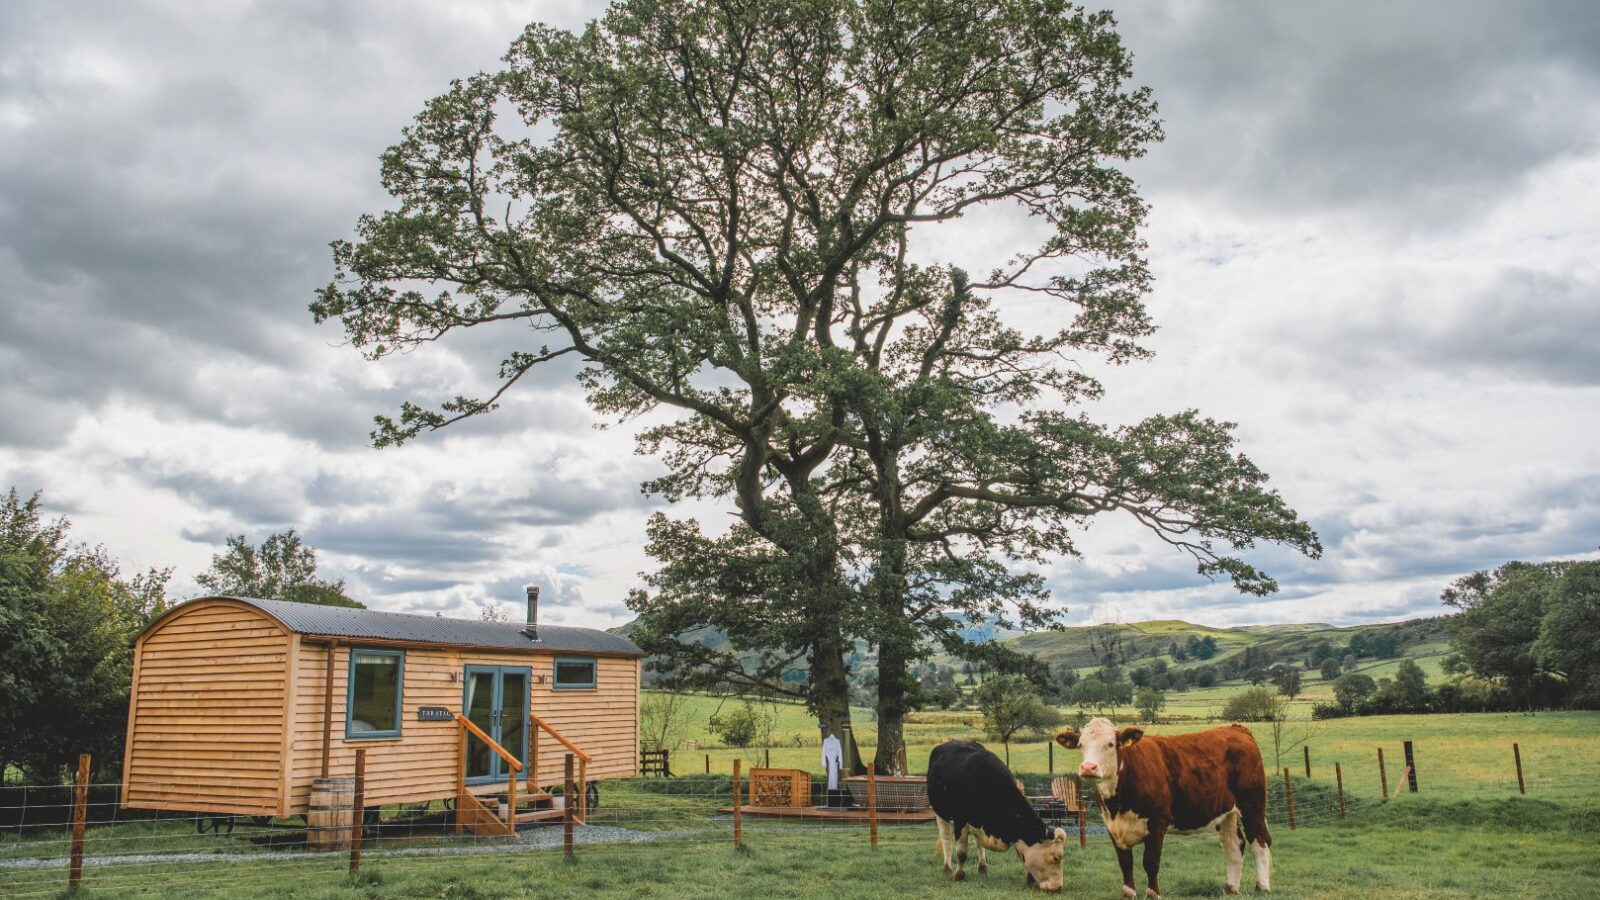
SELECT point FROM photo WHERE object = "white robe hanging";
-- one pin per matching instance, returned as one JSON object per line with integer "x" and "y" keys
{"x": 832, "y": 760}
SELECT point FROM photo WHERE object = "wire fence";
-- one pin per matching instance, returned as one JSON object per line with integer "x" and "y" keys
{"x": 53, "y": 835}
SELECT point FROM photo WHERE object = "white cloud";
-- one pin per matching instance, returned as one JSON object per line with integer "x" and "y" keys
{"x": 1372, "y": 230}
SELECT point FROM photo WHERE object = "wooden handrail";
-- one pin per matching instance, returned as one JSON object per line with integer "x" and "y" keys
{"x": 559, "y": 737}
{"x": 516, "y": 764}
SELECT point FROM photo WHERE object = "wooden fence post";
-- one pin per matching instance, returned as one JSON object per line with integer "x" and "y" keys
{"x": 1307, "y": 749}
{"x": 1383, "y": 777}
{"x": 1050, "y": 751}
{"x": 872, "y": 805}
{"x": 80, "y": 815}
{"x": 738, "y": 820}
{"x": 1288, "y": 796}
{"x": 1411, "y": 768}
{"x": 708, "y": 764}
{"x": 1338, "y": 777}
{"x": 357, "y": 810}
{"x": 569, "y": 806}
{"x": 1083, "y": 813}
{"x": 1516, "y": 753}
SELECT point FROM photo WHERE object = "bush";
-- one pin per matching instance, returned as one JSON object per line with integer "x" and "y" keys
{"x": 739, "y": 727}
{"x": 1353, "y": 688}
{"x": 1254, "y": 705}
{"x": 1322, "y": 711}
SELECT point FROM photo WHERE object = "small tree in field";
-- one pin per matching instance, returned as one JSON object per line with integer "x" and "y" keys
{"x": 1288, "y": 681}
{"x": 1286, "y": 734}
{"x": 1254, "y": 705}
{"x": 738, "y": 728}
{"x": 663, "y": 719}
{"x": 1150, "y": 702}
{"x": 1353, "y": 688}
{"x": 1010, "y": 706}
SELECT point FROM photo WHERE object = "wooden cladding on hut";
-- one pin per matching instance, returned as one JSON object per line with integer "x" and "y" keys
{"x": 238, "y": 705}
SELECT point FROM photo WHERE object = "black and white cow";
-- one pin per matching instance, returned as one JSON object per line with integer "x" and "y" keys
{"x": 973, "y": 795}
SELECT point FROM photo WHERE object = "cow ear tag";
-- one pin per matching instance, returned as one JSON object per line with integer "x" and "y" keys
{"x": 1127, "y": 742}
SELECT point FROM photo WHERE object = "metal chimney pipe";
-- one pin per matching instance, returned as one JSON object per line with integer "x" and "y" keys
{"x": 532, "y": 631}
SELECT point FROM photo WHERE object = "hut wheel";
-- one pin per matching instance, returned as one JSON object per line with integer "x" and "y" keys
{"x": 217, "y": 824}
{"x": 591, "y": 798}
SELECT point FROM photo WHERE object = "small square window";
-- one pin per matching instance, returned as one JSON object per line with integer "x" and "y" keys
{"x": 372, "y": 707}
{"x": 573, "y": 673}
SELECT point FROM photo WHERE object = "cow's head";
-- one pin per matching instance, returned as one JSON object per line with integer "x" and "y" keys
{"x": 1100, "y": 740}
{"x": 1043, "y": 860}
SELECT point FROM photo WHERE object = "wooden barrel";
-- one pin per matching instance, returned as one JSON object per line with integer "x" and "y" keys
{"x": 328, "y": 819}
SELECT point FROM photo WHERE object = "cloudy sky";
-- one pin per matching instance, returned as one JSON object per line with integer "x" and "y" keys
{"x": 1375, "y": 237}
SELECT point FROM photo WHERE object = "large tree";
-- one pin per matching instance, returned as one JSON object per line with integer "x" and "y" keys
{"x": 719, "y": 206}
{"x": 1500, "y": 613}
{"x": 1569, "y": 636}
{"x": 1533, "y": 627}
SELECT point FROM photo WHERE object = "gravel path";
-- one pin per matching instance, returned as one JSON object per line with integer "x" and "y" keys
{"x": 533, "y": 839}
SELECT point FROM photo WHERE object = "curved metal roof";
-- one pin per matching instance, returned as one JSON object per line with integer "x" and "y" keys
{"x": 368, "y": 624}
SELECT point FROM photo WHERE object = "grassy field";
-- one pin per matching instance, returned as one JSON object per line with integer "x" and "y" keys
{"x": 1422, "y": 850}
{"x": 1464, "y": 753}
{"x": 1467, "y": 833}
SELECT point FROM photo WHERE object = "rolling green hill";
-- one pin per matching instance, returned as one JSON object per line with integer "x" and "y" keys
{"x": 1138, "y": 643}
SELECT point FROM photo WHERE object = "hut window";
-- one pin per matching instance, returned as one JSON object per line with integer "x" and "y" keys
{"x": 574, "y": 672}
{"x": 373, "y": 703}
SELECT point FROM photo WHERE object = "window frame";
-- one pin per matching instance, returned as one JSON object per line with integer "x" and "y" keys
{"x": 350, "y": 694}
{"x": 594, "y": 668}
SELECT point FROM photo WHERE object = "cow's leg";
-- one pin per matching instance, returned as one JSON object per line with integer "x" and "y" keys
{"x": 1263, "y": 854}
{"x": 1255, "y": 831}
{"x": 983, "y": 859}
{"x": 961, "y": 854}
{"x": 947, "y": 842}
{"x": 1125, "y": 859}
{"x": 1232, "y": 850}
{"x": 1152, "y": 860}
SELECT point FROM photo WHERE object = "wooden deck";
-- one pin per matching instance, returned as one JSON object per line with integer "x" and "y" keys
{"x": 816, "y": 813}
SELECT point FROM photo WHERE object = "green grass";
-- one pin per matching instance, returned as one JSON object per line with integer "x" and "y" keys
{"x": 1468, "y": 833}
{"x": 1423, "y": 850}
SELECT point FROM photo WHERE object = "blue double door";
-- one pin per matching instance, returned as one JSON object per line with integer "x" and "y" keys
{"x": 496, "y": 700}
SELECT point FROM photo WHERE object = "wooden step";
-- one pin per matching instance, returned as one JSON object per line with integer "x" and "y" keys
{"x": 487, "y": 791}
{"x": 539, "y": 815}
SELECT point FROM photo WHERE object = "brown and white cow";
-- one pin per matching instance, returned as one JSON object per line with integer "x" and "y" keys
{"x": 1150, "y": 784}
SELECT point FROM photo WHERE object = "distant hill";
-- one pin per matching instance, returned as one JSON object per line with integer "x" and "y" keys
{"x": 1137, "y": 643}
{"x": 1083, "y": 646}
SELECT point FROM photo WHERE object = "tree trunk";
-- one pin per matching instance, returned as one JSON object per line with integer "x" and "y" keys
{"x": 893, "y": 686}
{"x": 830, "y": 692}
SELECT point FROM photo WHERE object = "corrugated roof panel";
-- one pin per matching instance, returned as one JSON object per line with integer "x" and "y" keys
{"x": 344, "y": 622}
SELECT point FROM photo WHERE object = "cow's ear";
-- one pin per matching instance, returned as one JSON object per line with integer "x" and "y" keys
{"x": 1067, "y": 738}
{"x": 1061, "y": 835}
{"x": 1129, "y": 736}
